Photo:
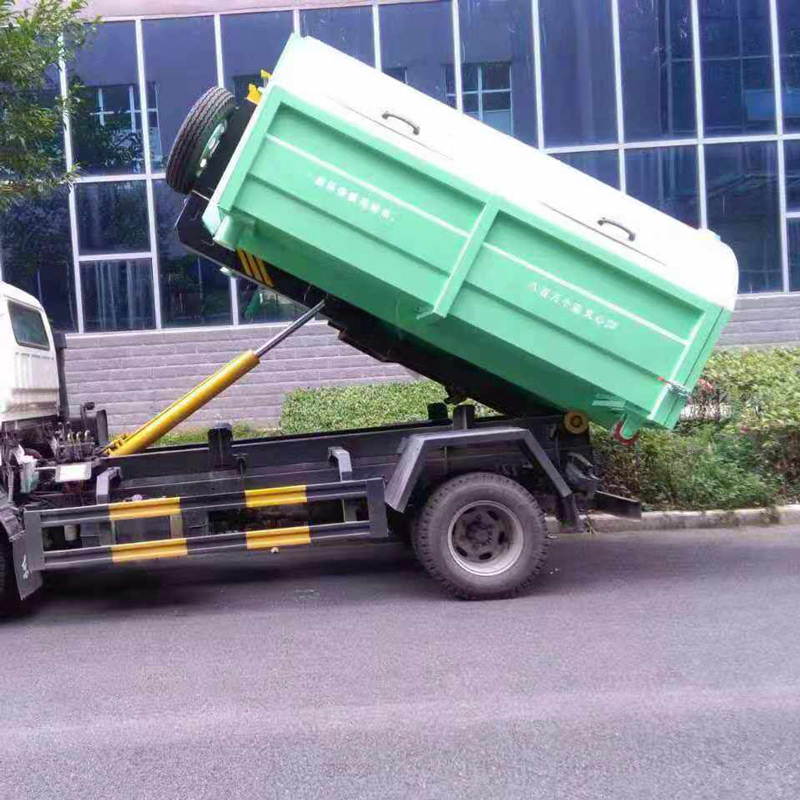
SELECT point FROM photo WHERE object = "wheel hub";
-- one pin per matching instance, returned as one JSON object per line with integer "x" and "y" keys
{"x": 485, "y": 538}
{"x": 211, "y": 146}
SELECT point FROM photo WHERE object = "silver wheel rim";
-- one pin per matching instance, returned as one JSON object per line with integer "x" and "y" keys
{"x": 485, "y": 538}
{"x": 211, "y": 145}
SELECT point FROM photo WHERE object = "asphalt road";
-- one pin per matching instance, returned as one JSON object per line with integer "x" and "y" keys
{"x": 643, "y": 666}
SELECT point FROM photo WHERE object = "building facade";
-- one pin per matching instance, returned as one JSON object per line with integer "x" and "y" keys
{"x": 692, "y": 106}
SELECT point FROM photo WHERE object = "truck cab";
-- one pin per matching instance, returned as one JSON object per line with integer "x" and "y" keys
{"x": 29, "y": 382}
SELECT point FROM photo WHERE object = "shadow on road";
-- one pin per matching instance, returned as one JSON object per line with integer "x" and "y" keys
{"x": 389, "y": 573}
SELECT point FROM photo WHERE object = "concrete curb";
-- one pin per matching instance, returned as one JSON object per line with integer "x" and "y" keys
{"x": 680, "y": 520}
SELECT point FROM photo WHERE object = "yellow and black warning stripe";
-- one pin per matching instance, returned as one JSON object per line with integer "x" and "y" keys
{"x": 249, "y": 498}
{"x": 254, "y": 268}
{"x": 271, "y": 539}
{"x": 152, "y": 508}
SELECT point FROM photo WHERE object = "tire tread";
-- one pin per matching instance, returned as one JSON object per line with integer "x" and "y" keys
{"x": 423, "y": 534}
{"x": 192, "y": 134}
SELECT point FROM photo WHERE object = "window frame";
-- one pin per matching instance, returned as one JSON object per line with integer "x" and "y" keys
{"x": 13, "y": 307}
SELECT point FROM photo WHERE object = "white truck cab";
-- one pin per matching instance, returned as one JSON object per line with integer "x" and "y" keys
{"x": 29, "y": 385}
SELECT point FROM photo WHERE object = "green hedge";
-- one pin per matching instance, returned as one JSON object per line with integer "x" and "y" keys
{"x": 361, "y": 406}
{"x": 742, "y": 450}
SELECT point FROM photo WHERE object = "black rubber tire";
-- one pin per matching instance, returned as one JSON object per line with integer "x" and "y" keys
{"x": 431, "y": 531}
{"x": 216, "y": 105}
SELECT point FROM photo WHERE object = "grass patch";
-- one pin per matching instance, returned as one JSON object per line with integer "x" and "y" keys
{"x": 241, "y": 430}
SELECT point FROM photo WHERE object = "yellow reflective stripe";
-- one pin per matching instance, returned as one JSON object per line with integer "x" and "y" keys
{"x": 264, "y": 274}
{"x": 278, "y": 537}
{"x": 251, "y": 265}
{"x": 245, "y": 262}
{"x": 277, "y": 496}
{"x": 256, "y": 262}
{"x": 253, "y": 95}
{"x": 139, "y": 551}
{"x": 254, "y": 266}
{"x": 144, "y": 509}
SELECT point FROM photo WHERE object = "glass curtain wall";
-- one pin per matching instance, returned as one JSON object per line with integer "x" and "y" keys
{"x": 692, "y": 106}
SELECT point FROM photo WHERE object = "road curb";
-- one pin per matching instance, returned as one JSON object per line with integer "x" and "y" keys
{"x": 679, "y": 520}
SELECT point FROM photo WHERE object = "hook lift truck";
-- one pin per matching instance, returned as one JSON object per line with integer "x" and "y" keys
{"x": 360, "y": 198}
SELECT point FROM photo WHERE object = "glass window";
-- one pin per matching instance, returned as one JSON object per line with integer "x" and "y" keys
{"x": 657, "y": 69}
{"x": 398, "y": 73}
{"x": 107, "y": 120}
{"x": 603, "y": 164}
{"x": 117, "y": 295}
{"x": 487, "y": 93}
{"x": 578, "y": 72}
{"x": 258, "y": 304}
{"x": 792, "y": 152}
{"x": 28, "y": 326}
{"x": 665, "y": 178}
{"x": 789, "y": 29}
{"x": 193, "y": 290}
{"x": 36, "y": 255}
{"x": 738, "y": 90}
{"x": 180, "y": 64}
{"x": 742, "y": 185}
{"x": 112, "y": 217}
{"x": 250, "y": 43}
{"x": 346, "y": 29}
{"x": 794, "y": 255}
{"x": 497, "y": 51}
{"x": 417, "y": 44}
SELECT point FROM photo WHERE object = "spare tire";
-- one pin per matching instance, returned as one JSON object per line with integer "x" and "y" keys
{"x": 198, "y": 137}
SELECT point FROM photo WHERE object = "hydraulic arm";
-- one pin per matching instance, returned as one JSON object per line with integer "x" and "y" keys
{"x": 129, "y": 443}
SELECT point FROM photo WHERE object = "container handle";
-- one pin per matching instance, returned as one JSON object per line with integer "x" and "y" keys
{"x": 414, "y": 128}
{"x": 607, "y": 221}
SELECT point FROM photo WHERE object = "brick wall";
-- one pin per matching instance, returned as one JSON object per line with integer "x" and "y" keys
{"x": 765, "y": 320}
{"x": 135, "y": 375}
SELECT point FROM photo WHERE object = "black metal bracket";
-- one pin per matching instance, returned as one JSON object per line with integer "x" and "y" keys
{"x": 618, "y": 506}
{"x": 580, "y": 475}
{"x": 341, "y": 458}
{"x": 103, "y": 531}
{"x": 220, "y": 446}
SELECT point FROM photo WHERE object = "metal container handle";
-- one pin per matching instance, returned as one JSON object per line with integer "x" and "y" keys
{"x": 414, "y": 128}
{"x": 607, "y": 221}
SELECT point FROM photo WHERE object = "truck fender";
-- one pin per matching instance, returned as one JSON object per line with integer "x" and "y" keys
{"x": 416, "y": 447}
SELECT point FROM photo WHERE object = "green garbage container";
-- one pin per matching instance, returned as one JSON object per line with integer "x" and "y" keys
{"x": 473, "y": 242}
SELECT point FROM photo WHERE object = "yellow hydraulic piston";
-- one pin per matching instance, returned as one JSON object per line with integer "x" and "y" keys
{"x": 129, "y": 443}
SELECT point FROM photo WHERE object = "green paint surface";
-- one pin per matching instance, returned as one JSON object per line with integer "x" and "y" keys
{"x": 467, "y": 271}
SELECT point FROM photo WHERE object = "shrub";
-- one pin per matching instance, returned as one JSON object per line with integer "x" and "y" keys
{"x": 709, "y": 466}
{"x": 761, "y": 386}
{"x": 749, "y": 456}
{"x": 362, "y": 406}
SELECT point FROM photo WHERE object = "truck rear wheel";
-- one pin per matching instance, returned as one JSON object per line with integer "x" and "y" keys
{"x": 198, "y": 137}
{"x": 482, "y": 536}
